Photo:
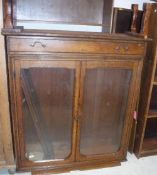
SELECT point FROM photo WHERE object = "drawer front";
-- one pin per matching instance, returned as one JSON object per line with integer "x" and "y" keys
{"x": 74, "y": 46}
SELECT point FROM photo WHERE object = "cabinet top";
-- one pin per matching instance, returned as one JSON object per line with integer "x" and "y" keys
{"x": 67, "y": 34}
{"x": 49, "y": 17}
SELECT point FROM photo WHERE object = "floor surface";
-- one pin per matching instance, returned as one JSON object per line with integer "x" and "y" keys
{"x": 143, "y": 166}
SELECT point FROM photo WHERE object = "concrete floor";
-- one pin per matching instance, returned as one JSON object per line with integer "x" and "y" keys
{"x": 143, "y": 166}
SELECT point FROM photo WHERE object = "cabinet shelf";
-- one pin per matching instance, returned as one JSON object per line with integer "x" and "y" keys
{"x": 147, "y": 126}
{"x": 149, "y": 146}
{"x": 155, "y": 81}
{"x": 50, "y": 134}
{"x": 152, "y": 113}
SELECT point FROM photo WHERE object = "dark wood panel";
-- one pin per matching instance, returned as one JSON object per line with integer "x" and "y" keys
{"x": 150, "y": 145}
{"x": 123, "y": 18}
{"x": 153, "y": 102}
{"x": 151, "y": 128}
{"x": 148, "y": 94}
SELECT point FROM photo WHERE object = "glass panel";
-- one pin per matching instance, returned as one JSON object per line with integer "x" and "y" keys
{"x": 47, "y": 112}
{"x": 104, "y": 108}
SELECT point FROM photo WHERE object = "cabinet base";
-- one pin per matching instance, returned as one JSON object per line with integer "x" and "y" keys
{"x": 76, "y": 166}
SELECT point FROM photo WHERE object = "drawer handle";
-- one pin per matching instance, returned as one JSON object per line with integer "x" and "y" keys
{"x": 126, "y": 48}
{"x": 122, "y": 48}
{"x": 38, "y": 42}
{"x": 117, "y": 48}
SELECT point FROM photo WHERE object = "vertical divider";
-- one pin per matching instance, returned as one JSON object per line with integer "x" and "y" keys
{"x": 75, "y": 110}
{"x": 80, "y": 107}
{"x": 135, "y": 16}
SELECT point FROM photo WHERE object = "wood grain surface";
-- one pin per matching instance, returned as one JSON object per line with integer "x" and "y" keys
{"x": 6, "y": 150}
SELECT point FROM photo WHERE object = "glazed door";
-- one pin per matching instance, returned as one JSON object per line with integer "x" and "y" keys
{"x": 106, "y": 108}
{"x": 46, "y": 93}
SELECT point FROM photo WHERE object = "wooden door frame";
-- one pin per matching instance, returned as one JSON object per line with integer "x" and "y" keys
{"x": 135, "y": 67}
{"x": 16, "y": 62}
{"x": 114, "y": 158}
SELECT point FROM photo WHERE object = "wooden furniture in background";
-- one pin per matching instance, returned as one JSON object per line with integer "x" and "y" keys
{"x": 140, "y": 25}
{"x": 134, "y": 21}
{"x": 72, "y": 94}
{"x": 122, "y": 20}
{"x": 134, "y": 18}
{"x": 147, "y": 8}
{"x": 88, "y": 89}
{"x": 146, "y": 137}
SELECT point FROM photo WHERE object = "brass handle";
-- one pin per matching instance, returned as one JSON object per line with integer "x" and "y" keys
{"x": 122, "y": 48}
{"x": 117, "y": 48}
{"x": 126, "y": 48}
{"x": 38, "y": 42}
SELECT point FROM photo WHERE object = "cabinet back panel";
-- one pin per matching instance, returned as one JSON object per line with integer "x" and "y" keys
{"x": 84, "y": 12}
{"x": 89, "y": 11}
{"x": 153, "y": 102}
{"x": 151, "y": 128}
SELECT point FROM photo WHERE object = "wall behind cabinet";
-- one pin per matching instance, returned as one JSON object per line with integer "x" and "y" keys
{"x": 127, "y": 3}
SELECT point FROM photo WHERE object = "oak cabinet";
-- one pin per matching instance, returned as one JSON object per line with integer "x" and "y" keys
{"x": 72, "y": 110}
{"x": 72, "y": 93}
{"x": 46, "y": 111}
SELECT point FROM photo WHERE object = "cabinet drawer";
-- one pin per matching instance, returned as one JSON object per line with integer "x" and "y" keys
{"x": 74, "y": 46}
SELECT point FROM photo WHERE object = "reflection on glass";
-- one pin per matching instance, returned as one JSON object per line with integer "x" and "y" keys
{"x": 47, "y": 112}
{"x": 104, "y": 109}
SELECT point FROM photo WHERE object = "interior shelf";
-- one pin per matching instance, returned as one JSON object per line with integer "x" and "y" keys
{"x": 153, "y": 103}
{"x": 152, "y": 113}
{"x": 150, "y": 138}
{"x": 150, "y": 144}
{"x": 155, "y": 80}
